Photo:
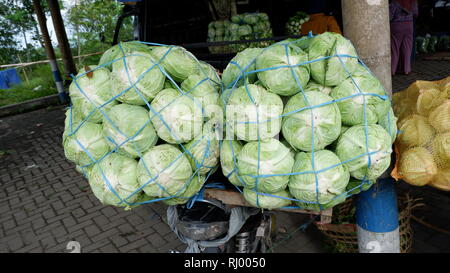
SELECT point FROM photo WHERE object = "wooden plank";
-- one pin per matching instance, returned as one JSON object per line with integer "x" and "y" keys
{"x": 234, "y": 198}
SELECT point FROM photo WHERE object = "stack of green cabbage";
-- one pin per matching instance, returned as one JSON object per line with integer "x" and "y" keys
{"x": 143, "y": 125}
{"x": 247, "y": 26}
{"x": 218, "y": 31}
{"x": 299, "y": 129}
{"x": 444, "y": 43}
{"x": 294, "y": 24}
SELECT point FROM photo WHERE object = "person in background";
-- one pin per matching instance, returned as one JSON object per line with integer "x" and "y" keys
{"x": 401, "y": 15}
{"x": 319, "y": 22}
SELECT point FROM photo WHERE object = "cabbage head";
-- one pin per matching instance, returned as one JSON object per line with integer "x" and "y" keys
{"x": 442, "y": 177}
{"x": 441, "y": 149}
{"x": 251, "y": 18}
{"x": 281, "y": 80}
{"x": 111, "y": 55}
{"x": 140, "y": 74}
{"x": 331, "y": 71}
{"x": 275, "y": 161}
{"x": 313, "y": 86}
{"x": 163, "y": 171}
{"x": 129, "y": 121}
{"x": 182, "y": 115}
{"x": 244, "y": 30}
{"x": 414, "y": 131}
{"x": 204, "y": 150}
{"x": 416, "y": 166}
{"x": 242, "y": 60}
{"x": 298, "y": 126}
{"x": 351, "y": 149}
{"x": 389, "y": 123}
{"x": 352, "y": 109}
{"x": 356, "y": 186}
{"x": 113, "y": 177}
{"x": 228, "y": 153}
{"x": 202, "y": 89}
{"x": 91, "y": 91}
{"x": 268, "y": 202}
{"x": 330, "y": 183}
{"x": 72, "y": 121}
{"x": 253, "y": 111}
{"x": 194, "y": 186}
{"x": 440, "y": 117}
{"x": 429, "y": 99}
{"x": 90, "y": 136}
{"x": 210, "y": 72}
{"x": 177, "y": 61}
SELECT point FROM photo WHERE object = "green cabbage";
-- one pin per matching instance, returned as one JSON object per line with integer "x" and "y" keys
{"x": 356, "y": 186}
{"x": 204, "y": 150}
{"x": 109, "y": 56}
{"x": 90, "y": 91}
{"x": 202, "y": 89}
{"x": 177, "y": 61}
{"x": 243, "y": 59}
{"x": 281, "y": 80}
{"x": 229, "y": 150}
{"x": 313, "y": 86}
{"x": 275, "y": 160}
{"x": 126, "y": 121}
{"x": 297, "y": 126}
{"x": 121, "y": 176}
{"x": 330, "y": 184}
{"x": 182, "y": 115}
{"x": 192, "y": 188}
{"x": 140, "y": 74}
{"x": 351, "y": 149}
{"x": 163, "y": 171}
{"x": 247, "y": 115}
{"x": 267, "y": 202}
{"x": 90, "y": 136}
{"x": 352, "y": 109}
{"x": 389, "y": 123}
{"x": 331, "y": 71}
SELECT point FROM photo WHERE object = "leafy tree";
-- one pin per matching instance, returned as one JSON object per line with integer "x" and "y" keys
{"x": 94, "y": 21}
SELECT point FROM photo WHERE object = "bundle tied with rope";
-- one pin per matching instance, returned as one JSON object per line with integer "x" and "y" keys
{"x": 306, "y": 124}
{"x": 144, "y": 125}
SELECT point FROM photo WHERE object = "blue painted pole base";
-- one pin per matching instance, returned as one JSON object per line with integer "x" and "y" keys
{"x": 377, "y": 219}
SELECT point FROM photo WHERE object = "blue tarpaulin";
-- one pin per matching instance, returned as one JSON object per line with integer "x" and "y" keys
{"x": 8, "y": 78}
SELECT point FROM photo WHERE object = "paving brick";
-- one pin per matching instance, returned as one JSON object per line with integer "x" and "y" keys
{"x": 156, "y": 240}
{"x": 15, "y": 244}
{"x": 92, "y": 230}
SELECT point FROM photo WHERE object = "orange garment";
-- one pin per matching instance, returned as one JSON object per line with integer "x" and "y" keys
{"x": 319, "y": 23}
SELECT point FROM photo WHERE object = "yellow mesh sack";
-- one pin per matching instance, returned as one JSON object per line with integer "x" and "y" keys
{"x": 423, "y": 143}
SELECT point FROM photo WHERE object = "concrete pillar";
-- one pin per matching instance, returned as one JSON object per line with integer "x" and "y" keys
{"x": 366, "y": 24}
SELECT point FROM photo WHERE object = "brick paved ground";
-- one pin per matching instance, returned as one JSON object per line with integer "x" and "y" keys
{"x": 45, "y": 203}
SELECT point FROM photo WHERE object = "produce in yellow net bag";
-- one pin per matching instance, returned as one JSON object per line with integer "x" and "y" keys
{"x": 423, "y": 143}
{"x": 414, "y": 131}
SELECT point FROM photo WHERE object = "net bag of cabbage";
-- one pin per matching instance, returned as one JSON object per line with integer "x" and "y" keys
{"x": 423, "y": 143}
{"x": 306, "y": 124}
{"x": 144, "y": 124}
